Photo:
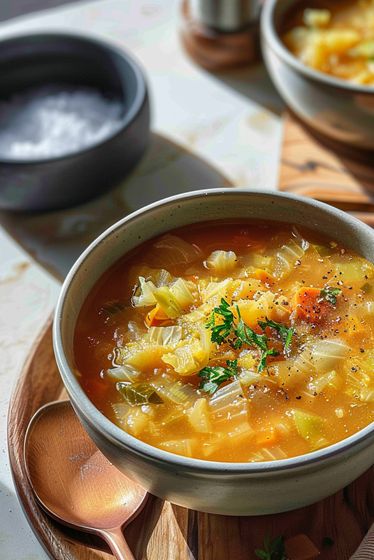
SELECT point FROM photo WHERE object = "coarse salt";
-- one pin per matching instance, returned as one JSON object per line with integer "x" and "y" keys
{"x": 56, "y": 120}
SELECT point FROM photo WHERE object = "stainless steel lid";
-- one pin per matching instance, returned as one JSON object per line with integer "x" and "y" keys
{"x": 225, "y": 15}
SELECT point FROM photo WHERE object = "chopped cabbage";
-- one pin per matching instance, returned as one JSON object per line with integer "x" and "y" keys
{"x": 288, "y": 254}
{"x": 146, "y": 291}
{"x": 310, "y": 427}
{"x": 316, "y": 18}
{"x": 199, "y": 416}
{"x": 221, "y": 261}
{"x": 168, "y": 336}
{"x": 325, "y": 353}
{"x": 191, "y": 356}
{"x": 329, "y": 379}
{"x": 123, "y": 373}
{"x": 229, "y": 407}
{"x": 141, "y": 355}
{"x": 216, "y": 290}
{"x": 171, "y": 250}
{"x": 174, "y": 391}
{"x": 174, "y": 299}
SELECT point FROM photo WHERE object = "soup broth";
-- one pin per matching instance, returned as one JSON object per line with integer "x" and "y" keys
{"x": 232, "y": 341}
{"x": 336, "y": 38}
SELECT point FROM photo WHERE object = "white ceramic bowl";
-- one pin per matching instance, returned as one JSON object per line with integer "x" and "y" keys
{"x": 217, "y": 487}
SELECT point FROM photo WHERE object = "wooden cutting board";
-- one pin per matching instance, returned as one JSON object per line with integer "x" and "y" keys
{"x": 167, "y": 532}
{"x": 315, "y": 167}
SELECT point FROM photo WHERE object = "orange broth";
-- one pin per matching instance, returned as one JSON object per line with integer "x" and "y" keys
{"x": 293, "y": 373}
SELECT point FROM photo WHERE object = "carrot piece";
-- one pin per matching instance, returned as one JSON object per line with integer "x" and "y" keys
{"x": 156, "y": 317}
{"x": 263, "y": 276}
{"x": 309, "y": 305}
{"x": 301, "y": 547}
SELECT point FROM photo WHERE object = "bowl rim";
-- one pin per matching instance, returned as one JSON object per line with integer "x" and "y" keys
{"x": 141, "y": 91}
{"x": 112, "y": 432}
{"x": 271, "y": 36}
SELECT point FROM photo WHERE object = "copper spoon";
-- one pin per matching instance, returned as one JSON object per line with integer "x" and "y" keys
{"x": 74, "y": 482}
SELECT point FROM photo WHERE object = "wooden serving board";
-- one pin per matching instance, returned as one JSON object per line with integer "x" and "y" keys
{"x": 167, "y": 532}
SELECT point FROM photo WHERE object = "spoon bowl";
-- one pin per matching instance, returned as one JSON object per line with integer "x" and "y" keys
{"x": 74, "y": 482}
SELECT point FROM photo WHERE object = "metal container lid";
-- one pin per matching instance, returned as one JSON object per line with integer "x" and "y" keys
{"x": 225, "y": 15}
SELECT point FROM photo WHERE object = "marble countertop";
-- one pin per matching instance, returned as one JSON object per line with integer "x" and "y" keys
{"x": 207, "y": 131}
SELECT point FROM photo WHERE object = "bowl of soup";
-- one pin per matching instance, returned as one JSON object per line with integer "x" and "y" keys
{"x": 218, "y": 348}
{"x": 320, "y": 56}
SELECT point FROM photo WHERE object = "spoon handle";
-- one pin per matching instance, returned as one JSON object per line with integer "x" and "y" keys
{"x": 118, "y": 544}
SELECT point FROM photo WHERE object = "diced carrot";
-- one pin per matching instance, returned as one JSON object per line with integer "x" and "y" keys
{"x": 309, "y": 305}
{"x": 263, "y": 276}
{"x": 156, "y": 317}
{"x": 301, "y": 548}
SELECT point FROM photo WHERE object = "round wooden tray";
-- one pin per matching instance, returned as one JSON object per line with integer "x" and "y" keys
{"x": 167, "y": 532}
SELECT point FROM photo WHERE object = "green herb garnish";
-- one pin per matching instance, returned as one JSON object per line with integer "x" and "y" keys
{"x": 242, "y": 334}
{"x": 274, "y": 549}
{"x": 212, "y": 377}
{"x": 221, "y": 331}
{"x": 284, "y": 332}
{"x": 329, "y": 293}
{"x": 246, "y": 335}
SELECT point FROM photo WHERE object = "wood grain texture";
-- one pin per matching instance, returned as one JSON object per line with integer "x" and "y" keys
{"x": 167, "y": 532}
{"x": 312, "y": 166}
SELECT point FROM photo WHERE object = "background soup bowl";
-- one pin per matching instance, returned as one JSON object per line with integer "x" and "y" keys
{"x": 338, "y": 109}
{"x": 216, "y": 487}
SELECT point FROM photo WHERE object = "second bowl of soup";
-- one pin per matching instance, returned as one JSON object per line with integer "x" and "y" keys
{"x": 221, "y": 353}
{"x": 319, "y": 55}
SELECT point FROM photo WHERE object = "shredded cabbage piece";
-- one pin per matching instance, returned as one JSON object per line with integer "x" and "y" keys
{"x": 141, "y": 355}
{"x": 191, "y": 356}
{"x": 310, "y": 427}
{"x": 171, "y": 250}
{"x": 221, "y": 261}
{"x": 174, "y": 299}
{"x": 169, "y": 336}
{"x": 175, "y": 391}
{"x": 145, "y": 297}
{"x": 199, "y": 416}
{"x": 288, "y": 254}
{"x": 123, "y": 373}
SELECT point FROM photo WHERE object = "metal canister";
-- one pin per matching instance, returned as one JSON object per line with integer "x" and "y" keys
{"x": 225, "y": 15}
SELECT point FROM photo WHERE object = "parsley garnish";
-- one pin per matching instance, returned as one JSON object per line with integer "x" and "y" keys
{"x": 274, "y": 549}
{"x": 221, "y": 331}
{"x": 285, "y": 333}
{"x": 329, "y": 293}
{"x": 212, "y": 377}
{"x": 246, "y": 335}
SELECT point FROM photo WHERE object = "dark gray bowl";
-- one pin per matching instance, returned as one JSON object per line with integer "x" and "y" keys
{"x": 57, "y": 182}
{"x": 339, "y": 110}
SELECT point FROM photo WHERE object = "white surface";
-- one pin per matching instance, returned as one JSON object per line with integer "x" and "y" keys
{"x": 221, "y": 119}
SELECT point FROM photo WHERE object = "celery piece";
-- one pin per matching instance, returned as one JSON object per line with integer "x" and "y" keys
{"x": 137, "y": 394}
